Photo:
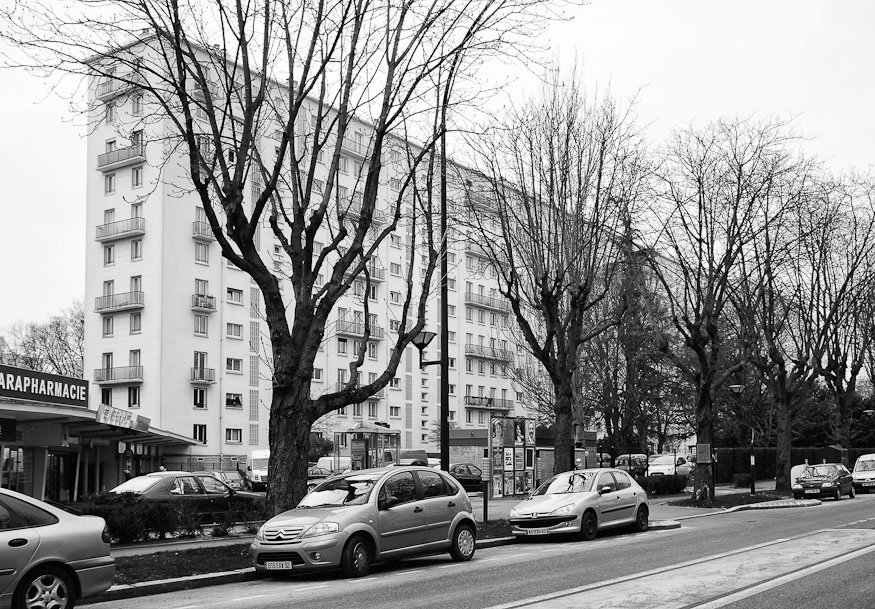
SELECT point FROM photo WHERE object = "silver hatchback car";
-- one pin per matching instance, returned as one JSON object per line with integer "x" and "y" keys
{"x": 49, "y": 557}
{"x": 361, "y": 517}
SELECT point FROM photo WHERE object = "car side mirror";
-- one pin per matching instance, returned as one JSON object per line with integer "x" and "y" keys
{"x": 388, "y": 502}
{"x": 605, "y": 489}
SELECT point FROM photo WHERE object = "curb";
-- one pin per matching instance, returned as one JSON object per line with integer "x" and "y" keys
{"x": 765, "y": 505}
{"x": 123, "y": 591}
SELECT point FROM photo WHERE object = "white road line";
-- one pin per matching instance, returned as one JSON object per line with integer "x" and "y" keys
{"x": 308, "y": 588}
{"x": 784, "y": 579}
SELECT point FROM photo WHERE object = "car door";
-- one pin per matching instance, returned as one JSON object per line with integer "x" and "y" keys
{"x": 217, "y": 492}
{"x": 399, "y": 525}
{"x": 19, "y": 539}
{"x": 627, "y": 498}
{"x": 439, "y": 506}
{"x": 608, "y": 503}
{"x": 188, "y": 494}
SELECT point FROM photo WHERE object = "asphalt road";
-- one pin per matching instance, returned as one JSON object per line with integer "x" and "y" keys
{"x": 761, "y": 558}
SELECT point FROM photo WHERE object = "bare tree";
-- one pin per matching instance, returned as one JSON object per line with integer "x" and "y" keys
{"x": 259, "y": 106}
{"x": 555, "y": 172}
{"x": 55, "y": 346}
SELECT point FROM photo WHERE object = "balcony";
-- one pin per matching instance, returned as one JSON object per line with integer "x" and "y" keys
{"x": 118, "y": 302}
{"x": 203, "y": 303}
{"x": 201, "y": 231}
{"x": 354, "y": 211}
{"x": 481, "y": 202}
{"x": 121, "y": 157}
{"x": 112, "y": 88}
{"x": 481, "y": 351}
{"x": 203, "y": 376}
{"x": 354, "y": 147}
{"x": 376, "y": 273}
{"x": 117, "y": 376}
{"x": 488, "y": 403}
{"x": 475, "y": 248}
{"x": 133, "y": 227}
{"x": 356, "y": 329}
{"x": 487, "y": 302}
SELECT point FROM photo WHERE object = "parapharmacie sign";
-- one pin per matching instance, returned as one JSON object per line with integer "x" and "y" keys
{"x": 24, "y": 384}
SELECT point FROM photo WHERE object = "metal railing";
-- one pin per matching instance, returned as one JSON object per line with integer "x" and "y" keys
{"x": 202, "y": 302}
{"x": 503, "y": 355}
{"x": 117, "y": 302}
{"x": 488, "y": 302}
{"x": 122, "y": 374}
{"x": 203, "y": 375}
{"x": 133, "y": 153}
{"x": 121, "y": 229}
{"x": 202, "y": 231}
{"x": 357, "y": 328}
{"x": 488, "y": 402}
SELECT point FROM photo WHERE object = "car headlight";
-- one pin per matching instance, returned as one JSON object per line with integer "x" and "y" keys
{"x": 514, "y": 513}
{"x": 322, "y": 528}
{"x": 260, "y": 535}
{"x": 797, "y": 487}
{"x": 828, "y": 485}
{"x": 565, "y": 509}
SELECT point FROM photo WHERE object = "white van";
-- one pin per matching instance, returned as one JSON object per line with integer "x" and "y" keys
{"x": 335, "y": 465}
{"x": 864, "y": 473}
{"x": 256, "y": 470}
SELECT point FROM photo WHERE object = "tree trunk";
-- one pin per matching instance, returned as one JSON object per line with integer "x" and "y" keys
{"x": 563, "y": 443}
{"x": 784, "y": 436}
{"x": 703, "y": 486}
{"x": 289, "y": 438}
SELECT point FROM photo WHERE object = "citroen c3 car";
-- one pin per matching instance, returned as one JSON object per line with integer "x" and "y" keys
{"x": 49, "y": 558}
{"x": 361, "y": 517}
{"x": 582, "y": 502}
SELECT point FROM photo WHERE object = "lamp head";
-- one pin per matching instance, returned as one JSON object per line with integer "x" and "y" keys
{"x": 736, "y": 389}
{"x": 421, "y": 340}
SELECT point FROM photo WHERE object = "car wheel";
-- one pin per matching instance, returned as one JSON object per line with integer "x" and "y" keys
{"x": 642, "y": 519}
{"x": 838, "y": 494}
{"x": 357, "y": 557}
{"x": 462, "y": 548}
{"x": 589, "y": 527}
{"x": 45, "y": 588}
{"x": 853, "y": 492}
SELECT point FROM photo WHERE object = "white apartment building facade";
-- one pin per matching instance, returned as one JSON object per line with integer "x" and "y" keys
{"x": 175, "y": 333}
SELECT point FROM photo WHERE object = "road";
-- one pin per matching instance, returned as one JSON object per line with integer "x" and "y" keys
{"x": 750, "y": 559}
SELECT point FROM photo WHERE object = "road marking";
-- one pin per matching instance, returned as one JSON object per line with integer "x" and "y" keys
{"x": 308, "y": 588}
{"x": 784, "y": 579}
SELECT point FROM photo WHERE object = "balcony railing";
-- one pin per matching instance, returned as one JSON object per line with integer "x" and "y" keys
{"x": 377, "y": 274}
{"x": 112, "y": 88}
{"x": 122, "y": 229}
{"x": 487, "y": 402}
{"x": 487, "y": 302}
{"x": 354, "y": 210}
{"x": 484, "y": 352}
{"x": 203, "y": 376}
{"x": 203, "y": 303}
{"x": 352, "y": 146}
{"x": 123, "y": 374}
{"x": 357, "y": 329}
{"x": 121, "y": 157}
{"x": 201, "y": 231}
{"x": 119, "y": 302}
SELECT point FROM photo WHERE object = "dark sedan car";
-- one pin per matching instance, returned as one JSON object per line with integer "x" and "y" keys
{"x": 828, "y": 479}
{"x": 200, "y": 492}
{"x": 468, "y": 475}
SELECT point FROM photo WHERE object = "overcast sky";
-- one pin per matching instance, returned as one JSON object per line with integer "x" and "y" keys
{"x": 693, "y": 61}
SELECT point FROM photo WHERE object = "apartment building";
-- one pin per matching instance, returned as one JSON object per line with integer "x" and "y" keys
{"x": 175, "y": 333}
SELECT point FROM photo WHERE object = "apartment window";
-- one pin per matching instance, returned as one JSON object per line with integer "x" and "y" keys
{"x": 200, "y": 360}
{"x": 108, "y": 216}
{"x": 233, "y": 436}
{"x": 394, "y": 324}
{"x": 372, "y": 410}
{"x": 395, "y": 412}
{"x": 317, "y": 374}
{"x": 451, "y": 284}
{"x": 451, "y": 362}
{"x": 202, "y": 253}
{"x": 108, "y": 255}
{"x": 200, "y": 325}
{"x": 341, "y": 346}
{"x": 134, "y": 396}
{"x": 137, "y": 249}
{"x": 107, "y": 326}
{"x": 395, "y": 184}
{"x": 137, "y": 104}
{"x": 469, "y": 314}
{"x": 343, "y": 165}
{"x": 481, "y": 317}
{"x": 110, "y": 113}
{"x": 137, "y": 176}
{"x": 395, "y": 240}
{"x": 493, "y": 319}
{"x": 395, "y": 383}
{"x": 424, "y": 382}
{"x": 481, "y": 417}
{"x": 136, "y": 323}
{"x": 469, "y": 416}
{"x": 199, "y": 433}
{"x": 136, "y": 283}
{"x": 199, "y": 398}
{"x": 137, "y": 137}
{"x": 106, "y": 396}
{"x": 395, "y": 269}
{"x": 109, "y": 183}
{"x": 234, "y": 365}
{"x": 234, "y": 400}
{"x": 356, "y": 410}
{"x": 451, "y": 310}
{"x": 235, "y": 296}
{"x": 253, "y": 433}
{"x": 469, "y": 365}
{"x": 492, "y": 369}
{"x": 481, "y": 367}
{"x": 134, "y": 357}
{"x": 372, "y": 350}
{"x": 395, "y": 297}
{"x": 358, "y": 288}
{"x": 452, "y": 336}
{"x": 106, "y": 361}
{"x": 234, "y": 330}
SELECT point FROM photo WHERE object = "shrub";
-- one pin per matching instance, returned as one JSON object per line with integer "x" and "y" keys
{"x": 741, "y": 480}
{"x": 663, "y": 485}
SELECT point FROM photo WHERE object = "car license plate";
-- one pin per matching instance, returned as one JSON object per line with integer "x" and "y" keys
{"x": 537, "y": 531}
{"x": 276, "y": 565}
{"x": 869, "y": 484}
{"x": 812, "y": 491}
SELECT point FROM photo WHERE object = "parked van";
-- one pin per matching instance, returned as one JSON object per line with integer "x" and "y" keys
{"x": 335, "y": 464}
{"x": 864, "y": 473}
{"x": 256, "y": 470}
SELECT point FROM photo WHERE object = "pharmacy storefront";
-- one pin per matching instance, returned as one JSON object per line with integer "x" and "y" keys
{"x": 53, "y": 446}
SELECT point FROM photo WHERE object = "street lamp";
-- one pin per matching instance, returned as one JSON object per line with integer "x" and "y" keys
{"x": 737, "y": 390}
{"x": 421, "y": 341}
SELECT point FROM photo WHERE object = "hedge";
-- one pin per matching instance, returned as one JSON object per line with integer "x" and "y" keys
{"x": 663, "y": 485}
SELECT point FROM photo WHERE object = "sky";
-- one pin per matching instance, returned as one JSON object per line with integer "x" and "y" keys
{"x": 688, "y": 62}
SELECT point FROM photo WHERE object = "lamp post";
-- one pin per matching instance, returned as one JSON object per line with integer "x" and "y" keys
{"x": 421, "y": 341}
{"x": 737, "y": 390}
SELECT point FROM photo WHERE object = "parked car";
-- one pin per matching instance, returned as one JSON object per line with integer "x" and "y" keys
{"x": 635, "y": 464}
{"x": 864, "y": 473}
{"x": 360, "y": 517}
{"x": 582, "y": 502}
{"x": 829, "y": 479}
{"x": 232, "y": 477}
{"x": 668, "y": 465}
{"x": 200, "y": 492}
{"x": 50, "y": 557}
{"x": 315, "y": 475}
{"x": 469, "y": 476}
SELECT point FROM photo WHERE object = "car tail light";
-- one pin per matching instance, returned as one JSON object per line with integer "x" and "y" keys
{"x": 105, "y": 536}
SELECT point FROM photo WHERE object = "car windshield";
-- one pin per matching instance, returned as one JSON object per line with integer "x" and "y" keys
{"x": 136, "y": 485}
{"x": 865, "y": 466}
{"x": 259, "y": 464}
{"x": 567, "y": 482}
{"x": 664, "y": 460}
{"x": 820, "y": 471}
{"x": 349, "y": 490}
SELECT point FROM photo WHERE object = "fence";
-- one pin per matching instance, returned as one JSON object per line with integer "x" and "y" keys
{"x": 731, "y": 461}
